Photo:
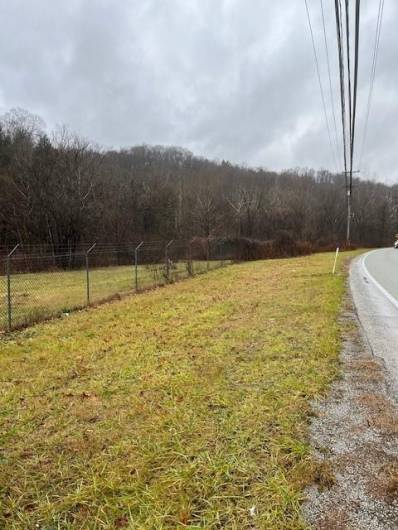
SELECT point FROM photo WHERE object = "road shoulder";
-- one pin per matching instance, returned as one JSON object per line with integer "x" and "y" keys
{"x": 378, "y": 315}
{"x": 355, "y": 441}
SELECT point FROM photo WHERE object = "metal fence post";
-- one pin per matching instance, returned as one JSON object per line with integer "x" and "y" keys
{"x": 136, "y": 264}
{"x": 88, "y": 273}
{"x": 166, "y": 257}
{"x": 8, "y": 273}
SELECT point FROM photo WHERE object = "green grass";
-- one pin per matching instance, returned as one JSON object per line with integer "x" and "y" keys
{"x": 183, "y": 407}
{"x": 36, "y": 296}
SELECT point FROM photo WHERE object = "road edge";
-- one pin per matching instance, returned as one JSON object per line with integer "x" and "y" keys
{"x": 389, "y": 296}
{"x": 358, "y": 417}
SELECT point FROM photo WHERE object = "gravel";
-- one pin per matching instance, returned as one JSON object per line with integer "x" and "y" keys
{"x": 354, "y": 436}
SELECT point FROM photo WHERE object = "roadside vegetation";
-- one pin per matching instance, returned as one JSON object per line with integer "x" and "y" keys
{"x": 185, "y": 407}
{"x": 58, "y": 191}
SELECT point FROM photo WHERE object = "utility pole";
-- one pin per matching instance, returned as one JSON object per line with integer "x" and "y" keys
{"x": 349, "y": 216}
{"x": 349, "y": 205}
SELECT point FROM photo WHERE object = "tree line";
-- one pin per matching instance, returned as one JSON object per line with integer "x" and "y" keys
{"x": 60, "y": 190}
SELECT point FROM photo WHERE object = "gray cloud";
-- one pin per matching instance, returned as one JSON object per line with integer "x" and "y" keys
{"x": 226, "y": 78}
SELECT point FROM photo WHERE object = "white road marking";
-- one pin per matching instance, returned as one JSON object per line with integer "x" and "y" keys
{"x": 389, "y": 296}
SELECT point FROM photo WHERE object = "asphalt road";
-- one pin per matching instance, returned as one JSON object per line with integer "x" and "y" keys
{"x": 382, "y": 266}
{"x": 374, "y": 286}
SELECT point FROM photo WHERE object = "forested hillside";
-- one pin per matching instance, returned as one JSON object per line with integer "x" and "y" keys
{"x": 60, "y": 190}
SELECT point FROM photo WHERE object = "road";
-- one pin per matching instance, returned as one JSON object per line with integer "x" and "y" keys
{"x": 382, "y": 265}
{"x": 374, "y": 286}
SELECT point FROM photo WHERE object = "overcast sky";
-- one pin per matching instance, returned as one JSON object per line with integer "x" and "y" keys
{"x": 228, "y": 79}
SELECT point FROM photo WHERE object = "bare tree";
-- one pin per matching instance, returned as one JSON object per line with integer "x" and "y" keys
{"x": 60, "y": 190}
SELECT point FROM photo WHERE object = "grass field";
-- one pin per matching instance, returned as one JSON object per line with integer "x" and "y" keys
{"x": 185, "y": 407}
{"x": 36, "y": 296}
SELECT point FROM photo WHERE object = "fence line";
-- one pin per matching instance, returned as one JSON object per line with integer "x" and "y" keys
{"x": 35, "y": 285}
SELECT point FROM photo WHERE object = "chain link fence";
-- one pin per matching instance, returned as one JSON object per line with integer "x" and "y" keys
{"x": 35, "y": 285}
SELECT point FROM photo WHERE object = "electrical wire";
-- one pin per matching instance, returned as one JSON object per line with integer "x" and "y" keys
{"x": 339, "y": 29}
{"x": 348, "y": 51}
{"x": 330, "y": 79}
{"x": 354, "y": 106}
{"x": 334, "y": 159}
{"x": 372, "y": 76}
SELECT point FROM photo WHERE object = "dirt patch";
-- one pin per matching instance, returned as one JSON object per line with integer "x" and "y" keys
{"x": 386, "y": 486}
{"x": 355, "y": 439}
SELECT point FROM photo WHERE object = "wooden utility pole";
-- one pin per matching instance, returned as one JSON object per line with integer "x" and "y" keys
{"x": 349, "y": 216}
{"x": 349, "y": 205}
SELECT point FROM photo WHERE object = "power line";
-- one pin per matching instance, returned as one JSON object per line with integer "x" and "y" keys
{"x": 352, "y": 95}
{"x": 330, "y": 80}
{"x": 342, "y": 83}
{"x": 320, "y": 85}
{"x": 372, "y": 75}
{"x": 354, "y": 109}
{"x": 352, "y": 103}
{"x": 347, "y": 31}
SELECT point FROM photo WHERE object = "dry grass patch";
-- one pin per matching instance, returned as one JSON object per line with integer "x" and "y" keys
{"x": 382, "y": 415}
{"x": 324, "y": 474}
{"x": 388, "y": 481}
{"x": 186, "y": 407}
{"x": 383, "y": 483}
{"x": 336, "y": 520}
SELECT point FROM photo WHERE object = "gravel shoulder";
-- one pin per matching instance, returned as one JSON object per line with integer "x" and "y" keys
{"x": 354, "y": 436}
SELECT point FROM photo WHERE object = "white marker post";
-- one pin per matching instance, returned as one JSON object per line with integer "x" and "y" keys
{"x": 335, "y": 260}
